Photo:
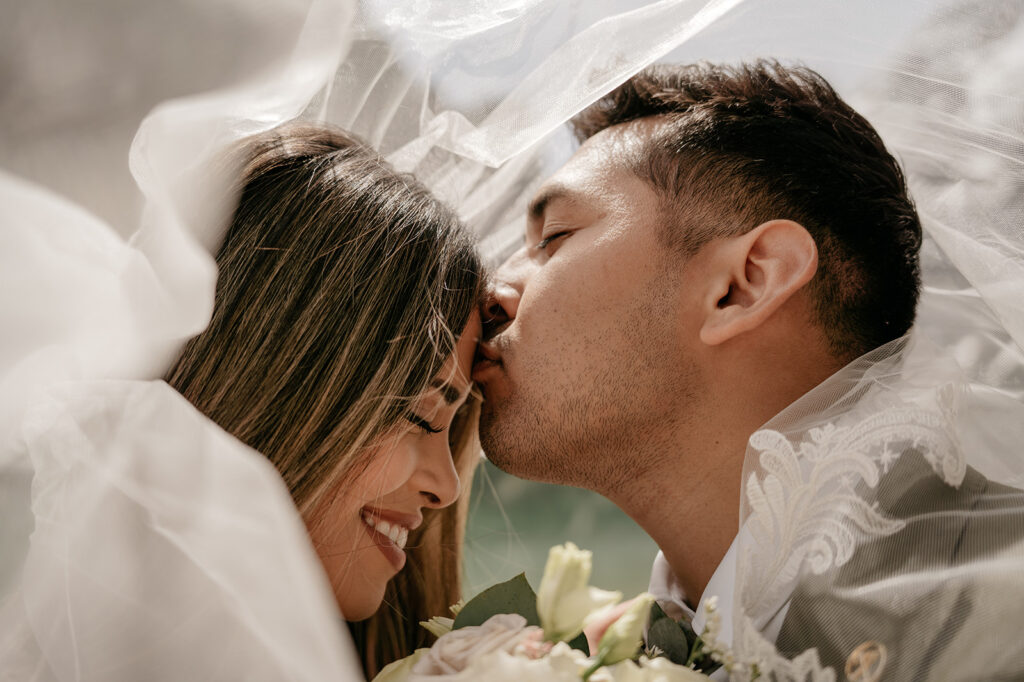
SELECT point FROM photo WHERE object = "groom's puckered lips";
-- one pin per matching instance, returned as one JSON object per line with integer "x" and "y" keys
{"x": 488, "y": 351}
{"x": 488, "y": 357}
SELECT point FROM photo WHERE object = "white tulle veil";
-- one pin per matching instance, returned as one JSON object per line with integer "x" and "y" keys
{"x": 138, "y": 539}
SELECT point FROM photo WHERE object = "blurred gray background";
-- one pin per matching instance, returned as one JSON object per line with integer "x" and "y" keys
{"x": 513, "y": 523}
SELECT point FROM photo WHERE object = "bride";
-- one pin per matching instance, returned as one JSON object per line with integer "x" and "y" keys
{"x": 341, "y": 344}
{"x": 344, "y": 327}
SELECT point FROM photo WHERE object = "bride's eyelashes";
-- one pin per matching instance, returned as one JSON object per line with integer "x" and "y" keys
{"x": 422, "y": 423}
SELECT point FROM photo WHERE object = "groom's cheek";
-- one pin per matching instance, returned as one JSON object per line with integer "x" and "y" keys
{"x": 496, "y": 394}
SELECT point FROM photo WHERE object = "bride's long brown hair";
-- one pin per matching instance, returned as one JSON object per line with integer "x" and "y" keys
{"x": 342, "y": 285}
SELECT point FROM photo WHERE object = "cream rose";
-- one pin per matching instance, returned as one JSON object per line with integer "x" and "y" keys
{"x": 562, "y": 664}
{"x": 454, "y": 651}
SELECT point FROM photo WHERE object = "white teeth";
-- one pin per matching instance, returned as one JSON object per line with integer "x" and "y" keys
{"x": 398, "y": 534}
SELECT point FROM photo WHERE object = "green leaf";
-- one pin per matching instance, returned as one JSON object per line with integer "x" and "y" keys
{"x": 580, "y": 643}
{"x": 691, "y": 636}
{"x": 656, "y": 614}
{"x": 668, "y": 636}
{"x": 511, "y": 596}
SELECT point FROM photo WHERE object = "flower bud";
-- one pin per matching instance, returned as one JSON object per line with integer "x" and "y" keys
{"x": 564, "y": 599}
{"x": 623, "y": 638}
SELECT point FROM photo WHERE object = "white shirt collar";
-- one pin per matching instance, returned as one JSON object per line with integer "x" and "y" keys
{"x": 670, "y": 595}
{"x": 672, "y": 599}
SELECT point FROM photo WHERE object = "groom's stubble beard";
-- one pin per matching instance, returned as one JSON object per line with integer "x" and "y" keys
{"x": 604, "y": 431}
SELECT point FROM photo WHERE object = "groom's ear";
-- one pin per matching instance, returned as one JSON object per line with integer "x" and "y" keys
{"x": 753, "y": 275}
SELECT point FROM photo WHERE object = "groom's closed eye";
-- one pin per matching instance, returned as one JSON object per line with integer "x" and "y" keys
{"x": 543, "y": 202}
{"x": 543, "y": 244}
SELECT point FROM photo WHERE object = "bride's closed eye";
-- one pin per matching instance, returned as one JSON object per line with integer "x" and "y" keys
{"x": 422, "y": 423}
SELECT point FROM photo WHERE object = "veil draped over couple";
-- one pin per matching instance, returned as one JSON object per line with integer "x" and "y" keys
{"x": 275, "y": 275}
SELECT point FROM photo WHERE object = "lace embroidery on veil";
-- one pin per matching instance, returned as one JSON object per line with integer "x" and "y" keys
{"x": 809, "y": 495}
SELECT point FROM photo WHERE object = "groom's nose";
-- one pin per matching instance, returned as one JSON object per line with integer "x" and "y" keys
{"x": 501, "y": 303}
{"x": 500, "y": 306}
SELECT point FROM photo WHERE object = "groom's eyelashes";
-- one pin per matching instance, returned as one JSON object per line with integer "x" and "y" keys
{"x": 543, "y": 244}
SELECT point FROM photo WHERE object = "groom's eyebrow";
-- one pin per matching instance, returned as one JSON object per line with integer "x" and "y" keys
{"x": 547, "y": 196}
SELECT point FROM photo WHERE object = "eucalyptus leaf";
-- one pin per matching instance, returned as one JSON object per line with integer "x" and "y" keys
{"x": 657, "y": 613}
{"x": 511, "y": 596}
{"x": 666, "y": 634}
{"x": 691, "y": 636}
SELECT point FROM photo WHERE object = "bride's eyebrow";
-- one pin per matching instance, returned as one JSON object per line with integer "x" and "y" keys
{"x": 450, "y": 394}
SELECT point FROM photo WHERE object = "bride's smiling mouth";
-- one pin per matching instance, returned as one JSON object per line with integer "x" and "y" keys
{"x": 390, "y": 532}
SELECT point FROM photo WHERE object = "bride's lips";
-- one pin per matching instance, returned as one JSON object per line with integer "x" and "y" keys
{"x": 389, "y": 530}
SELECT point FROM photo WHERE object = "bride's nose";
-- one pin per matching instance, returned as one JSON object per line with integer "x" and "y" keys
{"x": 435, "y": 479}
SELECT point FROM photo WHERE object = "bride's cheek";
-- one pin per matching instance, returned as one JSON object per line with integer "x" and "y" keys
{"x": 387, "y": 473}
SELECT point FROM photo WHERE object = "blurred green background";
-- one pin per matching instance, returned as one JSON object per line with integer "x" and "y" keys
{"x": 513, "y": 523}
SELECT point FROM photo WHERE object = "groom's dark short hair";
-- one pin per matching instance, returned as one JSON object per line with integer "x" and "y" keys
{"x": 737, "y": 146}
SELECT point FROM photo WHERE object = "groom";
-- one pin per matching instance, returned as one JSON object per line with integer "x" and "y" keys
{"x": 723, "y": 241}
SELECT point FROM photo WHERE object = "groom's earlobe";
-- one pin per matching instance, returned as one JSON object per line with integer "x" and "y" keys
{"x": 754, "y": 275}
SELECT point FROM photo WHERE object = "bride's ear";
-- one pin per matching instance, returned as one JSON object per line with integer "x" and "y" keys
{"x": 753, "y": 275}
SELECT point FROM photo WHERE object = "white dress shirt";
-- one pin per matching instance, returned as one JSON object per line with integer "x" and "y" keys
{"x": 670, "y": 596}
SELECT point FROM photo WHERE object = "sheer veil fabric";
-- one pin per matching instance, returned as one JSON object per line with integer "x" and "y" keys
{"x": 139, "y": 541}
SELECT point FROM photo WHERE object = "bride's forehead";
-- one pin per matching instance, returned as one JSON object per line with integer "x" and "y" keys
{"x": 452, "y": 382}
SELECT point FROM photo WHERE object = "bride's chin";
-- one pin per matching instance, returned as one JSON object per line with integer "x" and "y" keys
{"x": 360, "y": 593}
{"x": 359, "y": 603}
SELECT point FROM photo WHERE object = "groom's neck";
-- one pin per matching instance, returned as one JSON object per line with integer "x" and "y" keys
{"x": 690, "y": 506}
{"x": 689, "y": 502}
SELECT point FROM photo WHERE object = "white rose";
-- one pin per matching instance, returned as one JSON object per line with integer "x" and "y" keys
{"x": 455, "y": 651}
{"x": 656, "y": 670}
{"x": 664, "y": 670}
{"x": 625, "y": 671}
{"x": 399, "y": 670}
{"x": 562, "y": 664}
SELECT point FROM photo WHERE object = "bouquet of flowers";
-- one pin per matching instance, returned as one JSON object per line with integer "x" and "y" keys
{"x": 508, "y": 633}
